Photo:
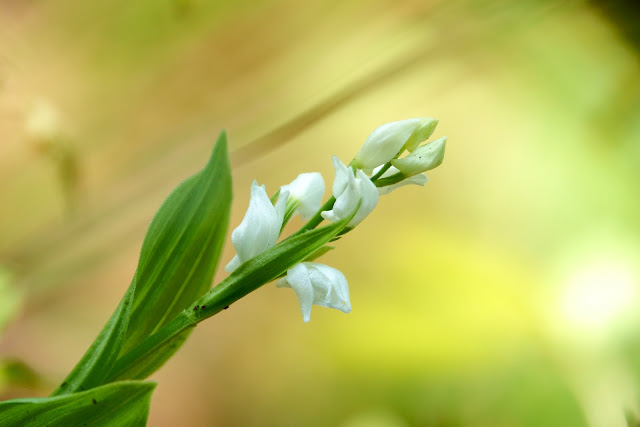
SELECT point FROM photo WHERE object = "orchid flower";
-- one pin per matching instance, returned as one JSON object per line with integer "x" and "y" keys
{"x": 305, "y": 194}
{"x": 317, "y": 284}
{"x": 260, "y": 228}
{"x": 349, "y": 190}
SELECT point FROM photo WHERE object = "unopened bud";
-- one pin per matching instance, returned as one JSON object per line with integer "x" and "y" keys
{"x": 422, "y": 133}
{"x": 384, "y": 143}
{"x": 422, "y": 159}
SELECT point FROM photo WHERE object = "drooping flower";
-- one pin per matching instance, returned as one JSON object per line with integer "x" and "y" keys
{"x": 388, "y": 140}
{"x": 424, "y": 158}
{"x": 317, "y": 284}
{"x": 349, "y": 190}
{"x": 305, "y": 194}
{"x": 260, "y": 228}
{"x": 419, "y": 179}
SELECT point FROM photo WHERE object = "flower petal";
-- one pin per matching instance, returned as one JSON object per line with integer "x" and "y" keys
{"x": 260, "y": 227}
{"x": 337, "y": 289}
{"x": 346, "y": 192}
{"x": 341, "y": 179}
{"x": 317, "y": 284}
{"x": 307, "y": 191}
{"x": 368, "y": 198}
{"x": 358, "y": 189}
{"x": 384, "y": 143}
{"x": 420, "y": 179}
{"x": 298, "y": 279}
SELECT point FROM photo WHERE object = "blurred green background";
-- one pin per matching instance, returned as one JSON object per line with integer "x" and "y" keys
{"x": 504, "y": 293}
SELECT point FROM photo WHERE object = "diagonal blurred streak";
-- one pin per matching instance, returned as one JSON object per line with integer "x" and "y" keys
{"x": 285, "y": 133}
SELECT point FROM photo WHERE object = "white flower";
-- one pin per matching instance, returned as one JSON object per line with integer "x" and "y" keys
{"x": 419, "y": 179}
{"x": 317, "y": 284}
{"x": 386, "y": 141}
{"x": 349, "y": 190}
{"x": 305, "y": 193}
{"x": 422, "y": 159}
{"x": 260, "y": 228}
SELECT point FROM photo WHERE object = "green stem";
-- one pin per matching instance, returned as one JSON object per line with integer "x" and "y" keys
{"x": 317, "y": 218}
{"x": 165, "y": 335}
{"x": 390, "y": 180}
{"x": 212, "y": 302}
{"x": 382, "y": 170}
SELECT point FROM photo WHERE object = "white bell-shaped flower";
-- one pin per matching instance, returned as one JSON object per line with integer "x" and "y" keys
{"x": 419, "y": 179}
{"x": 260, "y": 228}
{"x": 305, "y": 194}
{"x": 317, "y": 284}
{"x": 423, "y": 158}
{"x": 349, "y": 190}
{"x": 386, "y": 141}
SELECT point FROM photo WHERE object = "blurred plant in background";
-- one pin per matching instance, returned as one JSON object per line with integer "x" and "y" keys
{"x": 536, "y": 220}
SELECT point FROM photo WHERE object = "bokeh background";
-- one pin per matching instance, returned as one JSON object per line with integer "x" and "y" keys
{"x": 504, "y": 293}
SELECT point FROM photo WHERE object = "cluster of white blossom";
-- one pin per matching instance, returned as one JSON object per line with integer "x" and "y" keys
{"x": 377, "y": 169}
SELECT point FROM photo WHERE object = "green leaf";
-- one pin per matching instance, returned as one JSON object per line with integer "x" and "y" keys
{"x": 317, "y": 254}
{"x": 177, "y": 262}
{"x": 156, "y": 359}
{"x": 248, "y": 277}
{"x": 95, "y": 365}
{"x": 182, "y": 247}
{"x": 123, "y": 403}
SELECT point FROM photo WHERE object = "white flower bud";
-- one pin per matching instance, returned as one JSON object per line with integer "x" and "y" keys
{"x": 349, "y": 190}
{"x": 422, "y": 133}
{"x": 386, "y": 141}
{"x": 422, "y": 159}
{"x": 317, "y": 284}
{"x": 260, "y": 228}
{"x": 419, "y": 179}
{"x": 305, "y": 192}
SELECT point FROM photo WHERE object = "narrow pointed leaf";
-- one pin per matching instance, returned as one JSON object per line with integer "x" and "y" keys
{"x": 182, "y": 247}
{"x": 178, "y": 259}
{"x": 123, "y": 403}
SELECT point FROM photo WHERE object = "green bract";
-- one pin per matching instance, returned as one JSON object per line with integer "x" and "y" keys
{"x": 424, "y": 158}
{"x": 422, "y": 133}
